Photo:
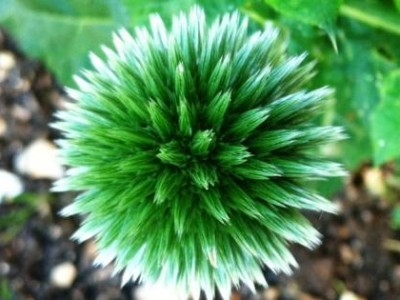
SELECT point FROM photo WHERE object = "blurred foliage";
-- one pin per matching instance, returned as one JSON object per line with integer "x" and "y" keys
{"x": 14, "y": 215}
{"x": 356, "y": 44}
{"x": 5, "y": 290}
{"x": 62, "y": 32}
{"x": 384, "y": 122}
{"x": 306, "y": 11}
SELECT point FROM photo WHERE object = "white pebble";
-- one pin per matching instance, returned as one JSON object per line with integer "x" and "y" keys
{"x": 149, "y": 292}
{"x": 40, "y": 161}
{"x": 21, "y": 113}
{"x": 348, "y": 295}
{"x": 4, "y": 268}
{"x": 63, "y": 275}
{"x": 10, "y": 185}
{"x": 3, "y": 127}
{"x": 375, "y": 181}
{"x": 7, "y": 60}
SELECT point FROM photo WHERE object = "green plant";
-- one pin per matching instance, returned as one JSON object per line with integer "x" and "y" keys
{"x": 193, "y": 147}
{"x": 358, "y": 57}
{"x": 361, "y": 68}
{"x": 64, "y": 24}
{"x": 5, "y": 290}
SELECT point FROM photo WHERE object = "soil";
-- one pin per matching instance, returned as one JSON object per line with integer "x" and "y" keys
{"x": 359, "y": 257}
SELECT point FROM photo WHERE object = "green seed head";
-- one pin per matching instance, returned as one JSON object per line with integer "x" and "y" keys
{"x": 191, "y": 147}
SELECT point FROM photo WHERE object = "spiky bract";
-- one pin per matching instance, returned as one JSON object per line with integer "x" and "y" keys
{"x": 192, "y": 147}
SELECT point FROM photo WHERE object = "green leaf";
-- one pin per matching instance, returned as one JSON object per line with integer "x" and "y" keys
{"x": 161, "y": 119}
{"x": 212, "y": 201}
{"x": 203, "y": 142}
{"x": 214, "y": 8}
{"x": 168, "y": 185}
{"x": 185, "y": 118}
{"x": 230, "y": 155}
{"x": 239, "y": 200}
{"x": 395, "y": 218}
{"x": 61, "y": 33}
{"x": 216, "y": 109}
{"x": 256, "y": 170}
{"x": 322, "y": 13}
{"x": 386, "y": 120}
{"x": 353, "y": 74}
{"x": 374, "y": 13}
{"x": 139, "y": 11}
{"x": 171, "y": 153}
{"x": 181, "y": 210}
{"x": 247, "y": 122}
{"x": 203, "y": 175}
{"x": 397, "y": 3}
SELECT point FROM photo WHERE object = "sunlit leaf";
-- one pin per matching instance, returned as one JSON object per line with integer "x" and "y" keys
{"x": 386, "y": 121}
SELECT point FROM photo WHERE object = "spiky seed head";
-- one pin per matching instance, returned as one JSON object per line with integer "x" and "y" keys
{"x": 192, "y": 146}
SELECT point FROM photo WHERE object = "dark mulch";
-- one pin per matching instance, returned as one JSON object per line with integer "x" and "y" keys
{"x": 358, "y": 258}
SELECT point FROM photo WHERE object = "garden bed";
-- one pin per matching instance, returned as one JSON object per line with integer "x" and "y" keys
{"x": 359, "y": 257}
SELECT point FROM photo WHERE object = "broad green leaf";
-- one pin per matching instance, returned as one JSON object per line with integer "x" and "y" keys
{"x": 321, "y": 13}
{"x": 139, "y": 10}
{"x": 258, "y": 11}
{"x": 375, "y": 13}
{"x": 214, "y": 8}
{"x": 395, "y": 217}
{"x": 386, "y": 121}
{"x": 397, "y": 3}
{"x": 353, "y": 74}
{"x": 61, "y": 33}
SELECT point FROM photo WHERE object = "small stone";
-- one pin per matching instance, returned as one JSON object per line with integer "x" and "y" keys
{"x": 348, "y": 295}
{"x": 103, "y": 273}
{"x": 396, "y": 275}
{"x": 7, "y": 61}
{"x": 40, "y": 161}
{"x": 320, "y": 276}
{"x": 271, "y": 293}
{"x": 91, "y": 249}
{"x": 22, "y": 85}
{"x": 21, "y": 113}
{"x": 89, "y": 254}
{"x": 55, "y": 232}
{"x": 61, "y": 102}
{"x": 148, "y": 292}
{"x": 346, "y": 254}
{"x": 343, "y": 232}
{"x": 3, "y": 127}
{"x": 291, "y": 290}
{"x": 375, "y": 181}
{"x": 367, "y": 216}
{"x": 4, "y": 268}
{"x": 11, "y": 186}
{"x": 63, "y": 275}
{"x": 43, "y": 207}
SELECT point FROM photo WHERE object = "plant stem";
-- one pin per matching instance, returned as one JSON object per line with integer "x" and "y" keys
{"x": 373, "y": 15}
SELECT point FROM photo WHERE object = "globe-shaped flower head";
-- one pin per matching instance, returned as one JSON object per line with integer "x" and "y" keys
{"x": 192, "y": 147}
